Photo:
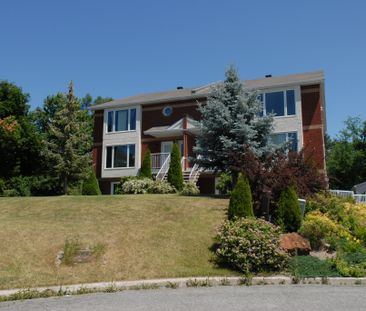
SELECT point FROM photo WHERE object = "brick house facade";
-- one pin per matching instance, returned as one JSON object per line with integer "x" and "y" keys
{"x": 124, "y": 129}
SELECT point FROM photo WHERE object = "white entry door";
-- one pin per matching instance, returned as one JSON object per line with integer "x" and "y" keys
{"x": 166, "y": 146}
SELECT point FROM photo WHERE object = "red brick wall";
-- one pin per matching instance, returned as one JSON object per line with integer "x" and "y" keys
{"x": 97, "y": 142}
{"x": 313, "y": 124}
{"x": 152, "y": 115}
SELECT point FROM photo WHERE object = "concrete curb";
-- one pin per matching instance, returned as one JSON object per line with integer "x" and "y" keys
{"x": 186, "y": 282}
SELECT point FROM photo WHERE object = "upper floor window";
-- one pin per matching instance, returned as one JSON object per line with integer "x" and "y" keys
{"x": 121, "y": 120}
{"x": 120, "y": 156}
{"x": 280, "y": 103}
{"x": 290, "y": 138}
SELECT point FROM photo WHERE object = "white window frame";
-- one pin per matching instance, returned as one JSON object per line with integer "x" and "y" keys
{"x": 284, "y": 94}
{"x": 114, "y": 120}
{"x": 112, "y": 186}
{"x": 128, "y": 157}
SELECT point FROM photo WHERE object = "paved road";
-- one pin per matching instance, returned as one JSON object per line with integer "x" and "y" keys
{"x": 283, "y": 298}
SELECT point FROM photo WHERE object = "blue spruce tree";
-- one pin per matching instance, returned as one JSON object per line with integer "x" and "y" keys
{"x": 231, "y": 121}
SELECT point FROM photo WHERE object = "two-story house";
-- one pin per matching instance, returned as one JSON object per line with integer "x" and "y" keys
{"x": 125, "y": 128}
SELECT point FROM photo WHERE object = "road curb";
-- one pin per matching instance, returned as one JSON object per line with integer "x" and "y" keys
{"x": 187, "y": 282}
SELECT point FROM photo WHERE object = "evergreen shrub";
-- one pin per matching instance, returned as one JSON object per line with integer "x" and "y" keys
{"x": 175, "y": 175}
{"x": 288, "y": 210}
{"x": 241, "y": 204}
{"x": 146, "y": 165}
{"x": 90, "y": 185}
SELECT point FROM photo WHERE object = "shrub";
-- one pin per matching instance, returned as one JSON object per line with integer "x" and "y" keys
{"x": 20, "y": 186}
{"x": 190, "y": 188}
{"x": 241, "y": 204}
{"x": 175, "y": 175}
{"x": 320, "y": 229}
{"x": 225, "y": 184}
{"x": 162, "y": 187}
{"x": 288, "y": 210}
{"x": 250, "y": 245}
{"x": 331, "y": 205}
{"x": 350, "y": 259}
{"x": 311, "y": 267}
{"x": 91, "y": 186}
{"x": 2, "y": 186}
{"x": 136, "y": 186}
{"x": 146, "y": 165}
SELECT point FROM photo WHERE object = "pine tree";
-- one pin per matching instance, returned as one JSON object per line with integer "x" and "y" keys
{"x": 68, "y": 148}
{"x": 146, "y": 165}
{"x": 231, "y": 121}
{"x": 288, "y": 210}
{"x": 241, "y": 203}
{"x": 175, "y": 175}
{"x": 90, "y": 185}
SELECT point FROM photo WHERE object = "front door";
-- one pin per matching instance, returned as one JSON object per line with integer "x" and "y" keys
{"x": 166, "y": 146}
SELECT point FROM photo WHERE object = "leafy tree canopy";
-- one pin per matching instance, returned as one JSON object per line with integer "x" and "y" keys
{"x": 346, "y": 155}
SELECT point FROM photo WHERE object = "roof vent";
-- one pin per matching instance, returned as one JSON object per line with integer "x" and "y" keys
{"x": 179, "y": 87}
{"x": 268, "y": 76}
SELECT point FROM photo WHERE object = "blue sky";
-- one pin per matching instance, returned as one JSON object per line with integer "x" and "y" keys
{"x": 122, "y": 48}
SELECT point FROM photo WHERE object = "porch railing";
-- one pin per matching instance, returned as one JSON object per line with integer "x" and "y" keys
{"x": 157, "y": 161}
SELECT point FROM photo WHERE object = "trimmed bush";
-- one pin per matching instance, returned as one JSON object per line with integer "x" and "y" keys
{"x": 225, "y": 184}
{"x": 190, "y": 188}
{"x": 136, "y": 186}
{"x": 250, "y": 245}
{"x": 91, "y": 186}
{"x": 241, "y": 204}
{"x": 162, "y": 187}
{"x": 320, "y": 229}
{"x": 146, "y": 165}
{"x": 289, "y": 211}
{"x": 145, "y": 185}
{"x": 175, "y": 175}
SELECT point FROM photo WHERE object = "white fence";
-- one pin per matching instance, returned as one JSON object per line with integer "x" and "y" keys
{"x": 359, "y": 198}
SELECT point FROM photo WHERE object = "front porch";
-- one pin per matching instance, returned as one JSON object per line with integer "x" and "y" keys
{"x": 181, "y": 132}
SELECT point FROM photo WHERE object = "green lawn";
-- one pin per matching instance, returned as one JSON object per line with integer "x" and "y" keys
{"x": 146, "y": 236}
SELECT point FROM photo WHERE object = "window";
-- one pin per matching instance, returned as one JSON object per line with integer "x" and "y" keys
{"x": 120, "y": 156}
{"x": 275, "y": 103}
{"x": 121, "y": 120}
{"x": 167, "y": 111}
{"x": 280, "y": 103}
{"x": 290, "y": 138}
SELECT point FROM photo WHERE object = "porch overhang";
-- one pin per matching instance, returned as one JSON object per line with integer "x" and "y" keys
{"x": 174, "y": 130}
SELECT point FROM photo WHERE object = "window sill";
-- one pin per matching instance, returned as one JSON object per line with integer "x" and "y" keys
{"x": 285, "y": 117}
{"x": 119, "y": 168}
{"x": 120, "y": 132}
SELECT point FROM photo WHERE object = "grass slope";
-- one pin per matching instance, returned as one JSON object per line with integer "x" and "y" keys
{"x": 146, "y": 236}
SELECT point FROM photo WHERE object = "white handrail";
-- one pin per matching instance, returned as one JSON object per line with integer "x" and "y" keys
{"x": 164, "y": 169}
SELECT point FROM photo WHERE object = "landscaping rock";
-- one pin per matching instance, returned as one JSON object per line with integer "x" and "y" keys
{"x": 294, "y": 244}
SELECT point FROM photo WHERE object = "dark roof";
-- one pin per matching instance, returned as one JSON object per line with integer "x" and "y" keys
{"x": 360, "y": 188}
{"x": 202, "y": 92}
